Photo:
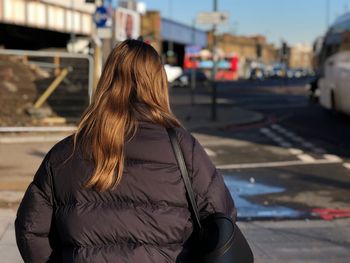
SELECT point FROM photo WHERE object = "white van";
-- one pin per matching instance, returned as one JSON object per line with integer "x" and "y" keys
{"x": 334, "y": 83}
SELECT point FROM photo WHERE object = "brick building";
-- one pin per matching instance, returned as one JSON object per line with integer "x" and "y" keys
{"x": 253, "y": 48}
{"x": 300, "y": 56}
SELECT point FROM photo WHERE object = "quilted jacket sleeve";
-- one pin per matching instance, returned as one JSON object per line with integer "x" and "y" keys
{"x": 34, "y": 217}
{"x": 212, "y": 193}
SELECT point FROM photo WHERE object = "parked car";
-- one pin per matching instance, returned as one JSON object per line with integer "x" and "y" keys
{"x": 184, "y": 80}
{"x": 172, "y": 72}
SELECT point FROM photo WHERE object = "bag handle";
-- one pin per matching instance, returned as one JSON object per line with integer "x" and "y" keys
{"x": 184, "y": 173}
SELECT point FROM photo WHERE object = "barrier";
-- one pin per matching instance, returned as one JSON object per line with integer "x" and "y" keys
{"x": 40, "y": 88}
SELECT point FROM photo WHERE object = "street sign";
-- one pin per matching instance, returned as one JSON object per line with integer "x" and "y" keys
{"x": 215, "y": 18}
{"x": 101, "y": 16}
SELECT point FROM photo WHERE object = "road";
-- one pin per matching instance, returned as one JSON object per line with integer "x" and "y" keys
{"x": 293, "y": 164}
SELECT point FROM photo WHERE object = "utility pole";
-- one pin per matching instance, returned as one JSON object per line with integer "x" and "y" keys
{"x": 193, "y": 69}
{"x": 214, "y": 69}
{"x": 170, "y": 52}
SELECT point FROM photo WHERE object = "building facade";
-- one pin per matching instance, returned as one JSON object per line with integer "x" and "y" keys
{"x": 252, "y": 48}
{"x": 300, "y": 56}
{"x": 169, "y": 37}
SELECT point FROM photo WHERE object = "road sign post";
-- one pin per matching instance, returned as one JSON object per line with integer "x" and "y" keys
{"x": 214, "y": 18}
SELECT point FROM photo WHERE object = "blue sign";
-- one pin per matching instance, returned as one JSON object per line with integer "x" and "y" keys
{"x": 193, "y": 49}
{"x": 101, "y": 16}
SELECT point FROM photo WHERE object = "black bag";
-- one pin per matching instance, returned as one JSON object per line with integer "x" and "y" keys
{"x": 216, "y": 239}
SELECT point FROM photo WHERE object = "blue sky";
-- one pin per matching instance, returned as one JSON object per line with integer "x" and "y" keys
{"x": 296, "y": 21}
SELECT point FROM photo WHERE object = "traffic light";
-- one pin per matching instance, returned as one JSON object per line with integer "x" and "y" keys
{"x": 285, "y": 49}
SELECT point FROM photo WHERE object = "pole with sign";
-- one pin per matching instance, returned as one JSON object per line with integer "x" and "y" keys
{"x": 214, "y": 18}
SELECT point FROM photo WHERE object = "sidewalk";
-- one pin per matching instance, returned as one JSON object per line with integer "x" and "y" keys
{"x": 284, "y": 241}
{"x": 8, "y": 249}
{"x": 199, "y": 115}
{"x": 299, "y": 241}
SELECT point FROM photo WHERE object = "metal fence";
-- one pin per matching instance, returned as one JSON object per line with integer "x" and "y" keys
{"x": 41, "y": 88}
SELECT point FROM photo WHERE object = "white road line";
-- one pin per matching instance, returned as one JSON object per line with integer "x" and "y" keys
{"x": 295, "y": 151}
{"x": 210, "y": 152}
{"x": 346, "y": 165}
{"x": 265, "y": 130}
{"x": 277, "y": 127}
{"x": 306, "y": 158}
{"x": 272, "y": 164}
{"x": 332, "y": 157}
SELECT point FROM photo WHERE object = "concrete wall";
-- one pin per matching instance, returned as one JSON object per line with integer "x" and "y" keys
{"x": 49, "y": 15}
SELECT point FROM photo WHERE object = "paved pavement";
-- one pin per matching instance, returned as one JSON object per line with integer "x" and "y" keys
{"x": 299, "y": 241}
{"x": 272, "y": 241}
{"x": 283, "y": 241}
{"x": 199, "y": 115}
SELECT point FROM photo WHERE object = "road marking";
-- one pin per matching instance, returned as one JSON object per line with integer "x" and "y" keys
{"x": 276, "y": 127}
{"x": 265, "y": 130}
{"x": 270, "y": 134}
{"x": 273, "y": 164}
{"x": 307, "y": 158}
{"x": 332, "y": 157}
{"x": 346, "y": 165}
{"x": 295, "y": 151}
{"x": 210, "y": 152}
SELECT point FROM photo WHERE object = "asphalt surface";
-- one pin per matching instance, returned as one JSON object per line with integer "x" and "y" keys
{"x": 295, "y": 163}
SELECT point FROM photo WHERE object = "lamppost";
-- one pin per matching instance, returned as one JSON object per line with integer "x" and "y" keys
{"x": 214, "y": 69}
{"x": 170, "y": 52}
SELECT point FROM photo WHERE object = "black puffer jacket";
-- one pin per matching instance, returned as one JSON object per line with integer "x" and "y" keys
{"x": 145, "y": 219}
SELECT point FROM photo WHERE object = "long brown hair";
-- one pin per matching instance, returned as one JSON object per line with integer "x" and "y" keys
{"x": 133, "y": 84}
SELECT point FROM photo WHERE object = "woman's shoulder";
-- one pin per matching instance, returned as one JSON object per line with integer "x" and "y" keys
{"x": 184, "y": 135}
{"x": 61, "y": 150}
{"x": 186, "y": 139}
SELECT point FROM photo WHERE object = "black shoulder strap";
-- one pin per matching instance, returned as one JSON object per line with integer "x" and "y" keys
{"x": 183, "y": 169}
{"x": 48, "y": 171}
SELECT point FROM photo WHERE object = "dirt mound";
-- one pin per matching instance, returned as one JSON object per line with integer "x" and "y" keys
{"x": 18, "y": 90}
